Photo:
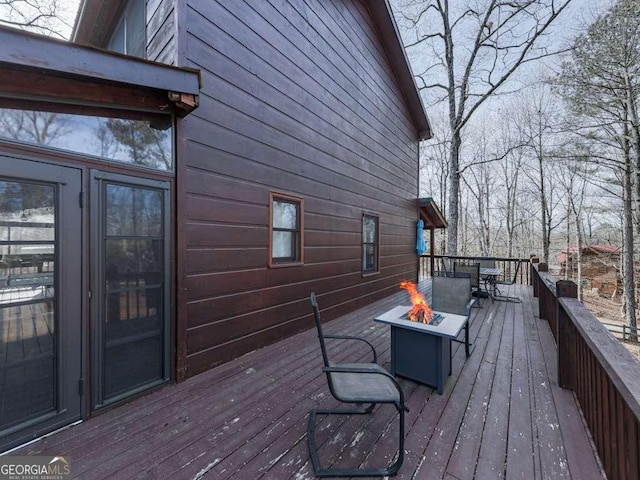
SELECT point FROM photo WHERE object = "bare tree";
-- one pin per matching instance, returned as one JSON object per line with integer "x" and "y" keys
{"x": 41, "y": 16}
{"x": 575, "y": 170}
{"x": 510, "y": 170}
{"x": 538, "y": 124}
{"x": 483, "y": 188}
{"x": 41, "y": 128}
{"x": 144, "y": 144}
{"x": 470, "y": 50}
{"x": 601, "y": 82}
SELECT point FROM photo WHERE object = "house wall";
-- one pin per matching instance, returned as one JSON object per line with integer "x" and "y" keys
{"x": 598, "y": 274}
{"x": 161, "y": 31}
{"x": 297, "y": 97}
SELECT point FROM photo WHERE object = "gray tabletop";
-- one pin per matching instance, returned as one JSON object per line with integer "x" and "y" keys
{"x": 490, "y": 272}
{"x": 450, "y": 326}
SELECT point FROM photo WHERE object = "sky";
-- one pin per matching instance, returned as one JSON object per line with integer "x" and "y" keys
{"x": 66, "y": 11}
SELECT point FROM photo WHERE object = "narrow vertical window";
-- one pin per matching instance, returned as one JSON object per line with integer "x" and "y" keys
{"x": 369, "y": 244}
{"x": 286, "y": 230}
{"x": 129, "y": 35}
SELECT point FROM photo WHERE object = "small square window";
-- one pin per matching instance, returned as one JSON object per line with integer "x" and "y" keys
{"x": 286, "y": 230}
{"x": 370, "y": 248}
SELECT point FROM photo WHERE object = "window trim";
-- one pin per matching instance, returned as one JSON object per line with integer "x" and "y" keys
{"x": 275, "y": 196}
{"x": 376, "y": 271}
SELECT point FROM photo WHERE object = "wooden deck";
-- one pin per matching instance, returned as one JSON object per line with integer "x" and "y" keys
{"x": 502, "y": 414}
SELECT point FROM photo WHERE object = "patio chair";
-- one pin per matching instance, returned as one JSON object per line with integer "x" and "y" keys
{"x": 514, "y": 280}
{"x": 451, "y": 293}
{"x": 364, "y": 385}
{"x": 473, "y": 269}
{"x": 490, "y": 283}
{"x": 486, "y": 262}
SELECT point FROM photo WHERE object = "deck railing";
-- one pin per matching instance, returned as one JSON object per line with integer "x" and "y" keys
{"x": 602, "y": 373}
{"x": 514, "y": 270}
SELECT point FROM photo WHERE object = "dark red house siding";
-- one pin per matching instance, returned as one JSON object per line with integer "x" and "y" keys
{"x": 298, "y": 97}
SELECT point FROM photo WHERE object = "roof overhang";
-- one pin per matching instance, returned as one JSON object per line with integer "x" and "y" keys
{"x": 94, "y": 21}
{"x": 45, "y": 70}
{"x": 386, "y": 24}
{"x": 430, "y": 214}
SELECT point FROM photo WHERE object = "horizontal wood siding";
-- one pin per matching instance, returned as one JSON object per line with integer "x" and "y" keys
{"x": 298, "y": 98}
{"x": 161, "y": 30}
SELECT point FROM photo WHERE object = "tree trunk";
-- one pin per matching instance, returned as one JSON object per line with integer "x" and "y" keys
{"x": 454, "y": 195}
{"x": 544, "y": 217}
{"x": 568, "y": 238}
{"x": 632, "y": 114}
{"x": 628, "y": 270}
{"x": 579, "y": 242}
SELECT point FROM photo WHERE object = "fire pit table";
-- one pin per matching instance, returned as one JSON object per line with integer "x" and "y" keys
{"x": 420, "y": 351}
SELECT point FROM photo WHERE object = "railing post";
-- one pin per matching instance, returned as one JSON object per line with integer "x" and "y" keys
{"x": 566, "y": 336}
{"x": 432, "y": 246}
{"x": 533, "y": 261}
{"x": 542, "y": 292}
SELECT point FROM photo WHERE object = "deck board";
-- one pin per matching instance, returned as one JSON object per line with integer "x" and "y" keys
{"x": 501, "y": 415}
{"x": 491, "y": 463}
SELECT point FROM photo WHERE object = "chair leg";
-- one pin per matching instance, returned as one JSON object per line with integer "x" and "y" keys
{"x": 467, "y": 345}
{"x": 352, "y": 472}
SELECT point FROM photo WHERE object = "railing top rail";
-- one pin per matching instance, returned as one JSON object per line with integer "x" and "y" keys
{"x": 549, "y": 280}
{"x": 621, "y": 366}
{"x": 470, "y": 257}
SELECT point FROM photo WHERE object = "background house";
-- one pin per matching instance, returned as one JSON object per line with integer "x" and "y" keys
{"x": 600, "y": 267}
{"x": 274, "y": 154}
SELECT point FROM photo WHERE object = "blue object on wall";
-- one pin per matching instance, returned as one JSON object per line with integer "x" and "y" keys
{"x": 421, "y": 246}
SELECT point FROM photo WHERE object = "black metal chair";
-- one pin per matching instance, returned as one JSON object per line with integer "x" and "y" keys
{"x": 490, "y": 282}
{"x": 363, "y": 384}
{"x": 513, "y": 281}
{"x": 451, "y": 293}
{"x": 493, "y": 282}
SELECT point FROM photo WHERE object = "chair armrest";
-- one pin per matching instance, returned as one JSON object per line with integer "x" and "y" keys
{"x": 351, "y": 337}
{"x": 467, "y": 309}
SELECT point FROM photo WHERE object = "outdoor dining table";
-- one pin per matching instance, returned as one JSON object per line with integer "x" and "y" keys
{"x": 490, "y": 276}
{"x": 420, "y": 351}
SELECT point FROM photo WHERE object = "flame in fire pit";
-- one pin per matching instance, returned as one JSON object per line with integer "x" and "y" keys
{"x": 420, "y": 312}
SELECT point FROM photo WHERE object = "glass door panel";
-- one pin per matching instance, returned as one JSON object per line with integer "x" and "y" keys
{"x": 40, "y": 347}
{"x": 27, "y": 301}
{"x": 132, "y": 247}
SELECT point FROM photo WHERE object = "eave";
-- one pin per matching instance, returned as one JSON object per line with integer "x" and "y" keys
{"x": 431, "y": 214}
{"x": 94, "y": 21}
{"x": 390, "y": 36}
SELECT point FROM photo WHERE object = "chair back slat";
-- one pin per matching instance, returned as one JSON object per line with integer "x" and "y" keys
{"x": 316, "y": 316}
{"x": 486, "y": 262}
{"x": 473, "y": 269}
{"x": 451, "y": 292}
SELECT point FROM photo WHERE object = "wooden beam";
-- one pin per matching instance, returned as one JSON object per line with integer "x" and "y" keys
{"x": 53, "y": 88}
{"x": 52, "y": 56}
